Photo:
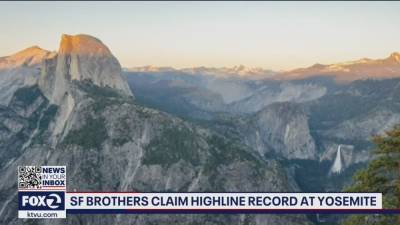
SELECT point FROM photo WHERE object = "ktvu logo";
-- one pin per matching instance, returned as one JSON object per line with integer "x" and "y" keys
{"x": 37, "y": 196}
{"x": 39, "y": 200}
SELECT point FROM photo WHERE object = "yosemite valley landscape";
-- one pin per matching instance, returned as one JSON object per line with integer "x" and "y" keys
{"x": 160, "y": 129}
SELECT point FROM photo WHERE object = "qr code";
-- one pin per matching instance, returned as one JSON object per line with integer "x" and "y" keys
{"x": 29, "y": 177}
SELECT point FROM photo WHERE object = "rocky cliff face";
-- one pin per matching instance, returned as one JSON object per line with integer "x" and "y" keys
{"x": 284, "y": 128}
{"x": 372, "y": 123}
{"x": 280, "y": 130}
{"x": 80, "y": 58}
{"x": 81, "y": 115}
{"x": 19, "y": 122}
{"x": 19, "y": 70}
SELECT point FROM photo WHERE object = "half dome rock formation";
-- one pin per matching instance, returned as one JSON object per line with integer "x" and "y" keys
{"x": 81, "y": 59}
{"x": 82, "y": 44}
{"x": 88, "y": 58}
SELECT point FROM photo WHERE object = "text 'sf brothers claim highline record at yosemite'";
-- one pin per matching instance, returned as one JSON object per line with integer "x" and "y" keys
{"x": 219, "y": 200}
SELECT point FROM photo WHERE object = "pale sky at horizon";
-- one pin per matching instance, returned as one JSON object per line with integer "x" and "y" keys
{"x": 272, "y": 35}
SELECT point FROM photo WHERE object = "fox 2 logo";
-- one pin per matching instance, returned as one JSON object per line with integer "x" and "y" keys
{"x": 38, "y": 200}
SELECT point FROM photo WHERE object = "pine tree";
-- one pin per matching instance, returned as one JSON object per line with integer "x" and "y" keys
{"x": 381, "y": 175}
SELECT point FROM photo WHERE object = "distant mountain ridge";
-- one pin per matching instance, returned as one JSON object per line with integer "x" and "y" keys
{"x": 364, "y": 68}
{"x": 349, "y": 71}
{"x": 235, "y": 71}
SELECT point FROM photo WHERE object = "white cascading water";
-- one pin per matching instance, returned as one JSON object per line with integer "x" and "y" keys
{"x": 337, "y": 164}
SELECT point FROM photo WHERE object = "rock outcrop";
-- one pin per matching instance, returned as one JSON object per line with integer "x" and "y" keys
{"x": 19, "y": 70}
{"x": 80, "y": 58}
{"x": 281, "y": 129}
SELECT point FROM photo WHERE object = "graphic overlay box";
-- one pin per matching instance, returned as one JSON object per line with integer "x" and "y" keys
{"x": 114, "y": 202}
{"x": 41, "y": 192}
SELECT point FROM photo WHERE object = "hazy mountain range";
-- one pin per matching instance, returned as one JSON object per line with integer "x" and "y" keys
{"x": 316, "y": 122}
{"x": 198, "y": 129}
{"x": 364, "y": 68}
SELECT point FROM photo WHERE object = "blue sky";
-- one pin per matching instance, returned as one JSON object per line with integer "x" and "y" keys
{"x": 273, "y": 35}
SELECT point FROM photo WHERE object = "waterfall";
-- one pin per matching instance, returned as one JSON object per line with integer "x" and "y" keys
{"x": 337, "y": 164}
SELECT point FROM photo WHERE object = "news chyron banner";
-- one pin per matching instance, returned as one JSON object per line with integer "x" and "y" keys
{"x": 42, "y": 194}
